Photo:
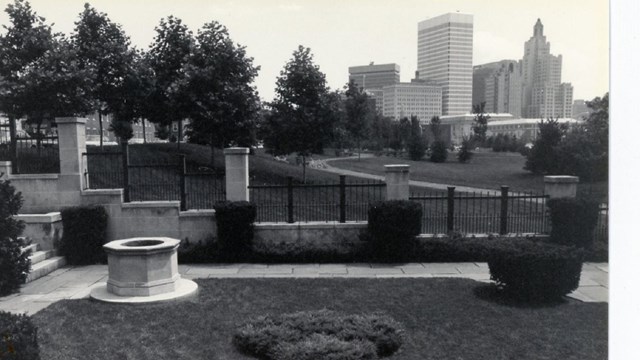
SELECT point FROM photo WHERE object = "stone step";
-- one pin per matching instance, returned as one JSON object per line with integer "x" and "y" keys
{"x": 32, "y": 247}
{"x": 45, "y": 267}
{"x": 39, "y": 256}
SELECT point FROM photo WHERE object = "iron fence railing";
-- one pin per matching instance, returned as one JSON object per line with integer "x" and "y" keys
{"x": 33, "y": 155}
{"x": 294, "y": 202}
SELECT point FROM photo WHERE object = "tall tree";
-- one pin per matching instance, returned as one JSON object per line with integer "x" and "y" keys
{"x": 303, "y": 112}
{"x": 167, "y": 57}
{"x": 103, "y": 49}
{"x": 543, "y": 157}
{"x": 480, "y": 124}
{"x": 219, "y": 77}
{"x": 417, "y": 145}
{"x": 358, "y": 111}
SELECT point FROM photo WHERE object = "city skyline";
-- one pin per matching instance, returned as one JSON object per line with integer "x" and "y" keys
{"x": 356, "y": 33}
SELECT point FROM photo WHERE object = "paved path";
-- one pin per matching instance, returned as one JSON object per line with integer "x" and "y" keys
{"x": 76, "y": 282}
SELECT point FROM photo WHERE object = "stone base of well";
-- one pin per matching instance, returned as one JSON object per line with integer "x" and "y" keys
{"x": 184, "y": 288}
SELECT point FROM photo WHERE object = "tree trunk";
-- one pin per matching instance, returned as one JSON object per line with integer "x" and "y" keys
{"x": 13, "y": 147}
{"x": 304, "y": 169}
{"x": 100, "y": 125}
{"x": 213, "y": 157}
{"x": 144, "y": 132}
{"x": 39, "y": 138}
{"x": 179, "y": 133}
{"x": 358, "y": 143}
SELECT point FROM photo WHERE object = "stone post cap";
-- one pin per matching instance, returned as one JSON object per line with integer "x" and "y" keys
{"x": 5, "y": 163}
{"x": 401, "y": 168}
{"x": 561, "y": 179}
{"x": 70, "y": 120}
{"x": 236, "y": 151}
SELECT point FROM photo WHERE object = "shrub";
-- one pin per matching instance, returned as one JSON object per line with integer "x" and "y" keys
{"x": 14, "y": 264}
{"x": 234, "y": 221}
{"x": 438, "y": 151}
{"x": 392, "y": 228}
{"x": 573, "y": 221}
{"x": 85, "y": 231}
{"x": 534, "y": 271}
{"x": 465, "y": 154}
{"x": 18, "y": 337}
{"x": 322, "y": 334}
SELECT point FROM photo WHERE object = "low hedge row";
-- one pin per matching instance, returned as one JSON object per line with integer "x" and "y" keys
{"x": 18, "y": 337}
{"x": 85, "y": 231}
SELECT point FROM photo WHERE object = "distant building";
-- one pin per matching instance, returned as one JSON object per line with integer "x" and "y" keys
{"x": 445, "y": 55}
{"x": 372, "y": 78}
{"x": 499, "y": 86}
{"x": 419, "y": 97}
{"x": 456, "y": 127}
{"x": 580, "y": 110}
{"x": 139, "y": 134}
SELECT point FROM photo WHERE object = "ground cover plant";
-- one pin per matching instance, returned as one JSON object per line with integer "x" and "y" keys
{"x": 18, "y": 337}
{"x": 442, "y": 318}
{"x": 14, "y": 264}
{"x": 321, "y": 334}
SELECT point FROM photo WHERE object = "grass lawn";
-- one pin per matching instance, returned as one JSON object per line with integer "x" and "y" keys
{"x": 443, "y": 319}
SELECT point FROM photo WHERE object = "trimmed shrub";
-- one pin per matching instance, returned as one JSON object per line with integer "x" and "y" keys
{"x": 18, "y": 337}
{"x": 85, "y": 231}
{"x": 573, "y": 221}
{"x": 14, "y": 264}
{"x": 234, "y": 220}
{"x": 392, "y": 228}
{"x": 438, "y": 152}
{"x": 321, "y": 334}
{"x": 534, "y": 271}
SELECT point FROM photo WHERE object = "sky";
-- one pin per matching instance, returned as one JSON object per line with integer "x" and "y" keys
{"x": 357, "y": 32}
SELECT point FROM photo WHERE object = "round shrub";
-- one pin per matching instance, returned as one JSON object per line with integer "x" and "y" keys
{"x": 85, "y": 231}
{"x": 534, "y": 271}
{"x": 392, "y": 228}
{"x": 321, "y": 334}
{"x": 18, "y": 337}
{"x": 573, "y": 221}
{"x": 14, "y": 264}
{"x": 234, "y": 220}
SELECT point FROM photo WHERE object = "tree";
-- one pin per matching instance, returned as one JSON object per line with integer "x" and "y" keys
{"x": 438, "y": 147}
{"x": 303, "y": 112}
{"x": 104, "y": 50}
{"x": 417, "y": 143}
{"x": 543, "y": 158}
{"x": 480, "y": 124}
{"x": 381, "y": 131}
{"x": 219, "y": 76}
{"x": 435, "y": 125}
{"x": 167, "y": 57}
{"x": 465, "y": 154}
{"x": 14, "y": 263}
{"x": 358, "y": 112}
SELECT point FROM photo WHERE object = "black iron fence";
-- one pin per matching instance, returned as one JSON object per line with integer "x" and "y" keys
{"x": 294, "y": 202}
{"x": 602, "y": 228}
{"x": 482, "y": 212}
{"x": 37, "y": 154}
{"x": 195, "y": 187}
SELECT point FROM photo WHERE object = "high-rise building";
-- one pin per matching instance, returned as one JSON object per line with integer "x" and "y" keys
{"x": 580, "y": 109}
{"x": 445, "y": 55}
{"x": 373, "y": 78}
{"x": 421, "y": 98}
{"x": 542, "y": 93}
{"x": 498, "y": 85}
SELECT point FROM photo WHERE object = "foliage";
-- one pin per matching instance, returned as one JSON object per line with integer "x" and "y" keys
{"x": 219, "y": 75}
{"x": 573, "y": 221}
{"x": 381, "y": 132}
{"x": 504, "y": 142}
{"x": 543, "y": 158}
{"x": 234, "y": 221}
{"x": 435, "y": 125}
{"x": 85, "y": 231}
{"x": 303, "y": 112}
{"x": 465, "y": 154}
{"x": 536, "y": 272}
{"x": 392, "y": 228}
{"x": 439, "y": 152}
{"x": 417, "y": 145}
{"x": 18, "y": 337}
{"x": 480, "y": 122}
{"x": 321, "y": 334}
{"x": 14, "y": 264}
{"x": 358, "y": 111}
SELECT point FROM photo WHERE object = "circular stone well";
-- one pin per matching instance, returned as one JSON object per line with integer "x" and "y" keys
{"x": 143, "y": 270}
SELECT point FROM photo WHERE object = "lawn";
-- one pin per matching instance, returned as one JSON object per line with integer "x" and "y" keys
{"x": 443, "y": 319}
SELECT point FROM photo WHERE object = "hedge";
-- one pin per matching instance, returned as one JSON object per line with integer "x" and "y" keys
{"x": 18, "y": 337}
{"x": 573, "y": 221}
{"x": 234, "y": 220}
{"x": 392, "y": 228}
{"x": 85, "y": 231}
{"x": 14, "y": 264}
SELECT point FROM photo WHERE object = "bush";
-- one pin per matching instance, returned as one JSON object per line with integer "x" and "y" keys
{"x": 85, "y": 231}
{"x": 534, "y": 271}
{"x": 322, "y": 334}
{"x": 234, "y": 221}
{"x": 465, "y": 154}
{"x": 573, "y": 221}
{"x": 18, "y": 337}
{"x": 392, "y": 228}
{"x": 14, "y": 264}
{"x": 438, "y": 152}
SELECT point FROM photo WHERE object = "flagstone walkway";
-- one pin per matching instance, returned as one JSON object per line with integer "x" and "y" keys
{"x": 77, "y": 282}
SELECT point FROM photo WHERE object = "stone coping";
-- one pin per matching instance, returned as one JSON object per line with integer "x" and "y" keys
{"x": 311, "y": 225}
{"x": 120, "y": 247}
{"x": 484, "y": 236}
{"x": 100, "y": 192}
{"x": 562, "y": 179}
{"x": 397, "y": 168}
{"x": 47, "y": 218}
{"x": 34, "y": 176}
{"x": 197, "y": 213}
{"x": 70, "y": 120}
{"x": 236, "y": 151}
{"x": 151, "y": 204}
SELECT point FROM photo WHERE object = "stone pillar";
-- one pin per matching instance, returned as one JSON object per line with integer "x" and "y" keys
{"x": 236, "y": 163}
{"x": 72, "y": 143}
{"x": 561, "y": 186}
{"x": 5, "y": 169}
{"x": 397, "y": 179}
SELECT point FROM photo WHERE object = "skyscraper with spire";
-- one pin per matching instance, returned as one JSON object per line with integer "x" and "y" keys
{"x": 543, "y": 94}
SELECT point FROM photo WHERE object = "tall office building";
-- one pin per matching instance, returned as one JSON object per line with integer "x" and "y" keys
{"x": 372, "y": 78}
{"x": 421, "y": 98}
{"x": 499, "y": 86}
{"x": 445, "y": 55}
{"x": 542, "y": 93}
